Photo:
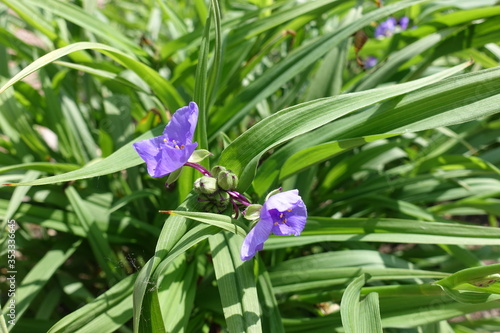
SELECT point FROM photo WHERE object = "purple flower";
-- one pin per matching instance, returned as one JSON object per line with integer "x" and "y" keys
{"x": 168, "y": 152}
{"x": 370, "y": 62}
{"x": 386, "y": 28}
{"x": 403, "y": 22}
{"x": 390, "y": 26}
{"x": 282, "y": 214}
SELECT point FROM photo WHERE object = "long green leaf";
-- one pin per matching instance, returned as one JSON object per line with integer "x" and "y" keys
{"x": 40, "y": 274}
{"x": 296, "y": 120}
{"x": 321, "y": 229}
{"x": 236, "y": 284}
{"x": 360, "y": 316}
{"x": 114, "y": 303}
{"x": 163, "y": 89}
{"x": 292, "y": 65}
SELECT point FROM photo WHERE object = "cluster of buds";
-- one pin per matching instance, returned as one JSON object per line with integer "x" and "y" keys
{"x": 217, "y": 190}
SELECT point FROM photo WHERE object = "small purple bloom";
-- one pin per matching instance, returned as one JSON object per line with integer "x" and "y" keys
{"x": 403, "y": 22}
{"x": 282, "y": 214}
{"x": 168, "y": 152}
{"x": 390, "y": 26}
{"x": 370, "y": 62}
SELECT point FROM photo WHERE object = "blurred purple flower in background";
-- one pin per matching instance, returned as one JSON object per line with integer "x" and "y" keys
{"x": 370, "y": 62}
{"x": 403, "y": 22}
{"x": 391, "y": 26}
{"x": 282, "y": 214}
{"x": 168, "y": 152}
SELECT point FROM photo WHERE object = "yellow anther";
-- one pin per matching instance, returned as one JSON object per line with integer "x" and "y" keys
{"x": 284, "y": 221}
{"x": 275, "y": 223}
{"x": 165, "y": 140}
{"x": 289, "y": 210}
{"x": 176, "y": 147}
{"x": 281, "y": 215}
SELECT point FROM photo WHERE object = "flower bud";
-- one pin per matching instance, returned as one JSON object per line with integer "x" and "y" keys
{"x": 252, "y": 212}
{"x": 221, "y": 197}
{"x": 205, "y": 185}
{"x": 215, "y": 207}
{"x": 227, "y": 180}
{"x": 210, "y": 207}
{"x": 216, "y": 170}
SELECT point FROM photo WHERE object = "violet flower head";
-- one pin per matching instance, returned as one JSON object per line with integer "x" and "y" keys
{"x": 282, "y": 214}
{"x": 386, "y": 28}
{"x": 370, "y": 62}
{"x": 403, "y": 22}
{"x": 168, "y": 152}
{"x": 391, "y": 26}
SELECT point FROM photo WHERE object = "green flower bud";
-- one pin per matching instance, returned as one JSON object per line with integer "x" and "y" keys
{"x": 210, "y": 207}
{"x": 204, "y": 198}
{"x": 205, "y": 185}
{"x": 213, "y": 207}
{"x": 216, "y": 170}
{"x": 221, "y": 196}
{"x": 222, "y": 205}
{"x": 252, "y": 212}
{"x": 227, "y": 180}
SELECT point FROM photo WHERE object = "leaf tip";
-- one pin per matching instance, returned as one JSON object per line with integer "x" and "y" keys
{"x": 169, "y": 212}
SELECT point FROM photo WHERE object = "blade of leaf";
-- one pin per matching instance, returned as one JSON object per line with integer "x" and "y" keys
{"x": 236, "y": 284}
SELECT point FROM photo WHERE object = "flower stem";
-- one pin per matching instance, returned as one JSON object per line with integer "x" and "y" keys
{"x": 235, "y": 209}
{"x": 239, "y": 197}
{"x": 199, "y": 167}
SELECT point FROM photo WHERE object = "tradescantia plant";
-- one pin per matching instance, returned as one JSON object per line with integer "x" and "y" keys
{"x": 282, "y": 214}
{"x": 380, "y": 117}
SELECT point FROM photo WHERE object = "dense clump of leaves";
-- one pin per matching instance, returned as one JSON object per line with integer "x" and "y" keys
{"x": 395, "y": 158}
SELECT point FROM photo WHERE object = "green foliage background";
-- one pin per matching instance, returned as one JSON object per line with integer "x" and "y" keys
{"x": 398, "y": 165}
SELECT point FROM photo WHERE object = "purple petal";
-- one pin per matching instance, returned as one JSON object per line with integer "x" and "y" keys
{"x": 255, "y": 239}
{"x": 391, "y": 23}
{"x": 171, "y": 159}
{"x": 281, "y": 201}
{"x": 148, "y": 150}
{"x": 380, "y": 30}
{"x": 403, "y": 22}
{"x": 160, "y": 158}
{"x": 295, "y": 221}
{"x": 183, "y": 124}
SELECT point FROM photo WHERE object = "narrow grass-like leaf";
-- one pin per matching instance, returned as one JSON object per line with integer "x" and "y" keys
{"x": 271, "y": 317}
{"x": 452, "y": 101}
{"x": 116, "y": 300}
{"x": 320, "y": 229}
{"x": 236, "y": 283}
{"x": 164, "y": 90}
{"x": 123, "y": 158}
{"x": 201, "y": 88}
{"x": 90, "y": 23}
{"x": 40, "y": 274}
{"x": 178, "y": 286}
{"x": 295, "y": 63}
{"x": 100, "y": 246}
{"x": 17, "y": 198}
{"x": 305, "y": 117}
{"x": 360, "y": 316}
{"x": 398, "y": 58}
{"x": 41, "y": 166}
{"x": 317, "y": 279}
{"x": 317, "y": 154}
